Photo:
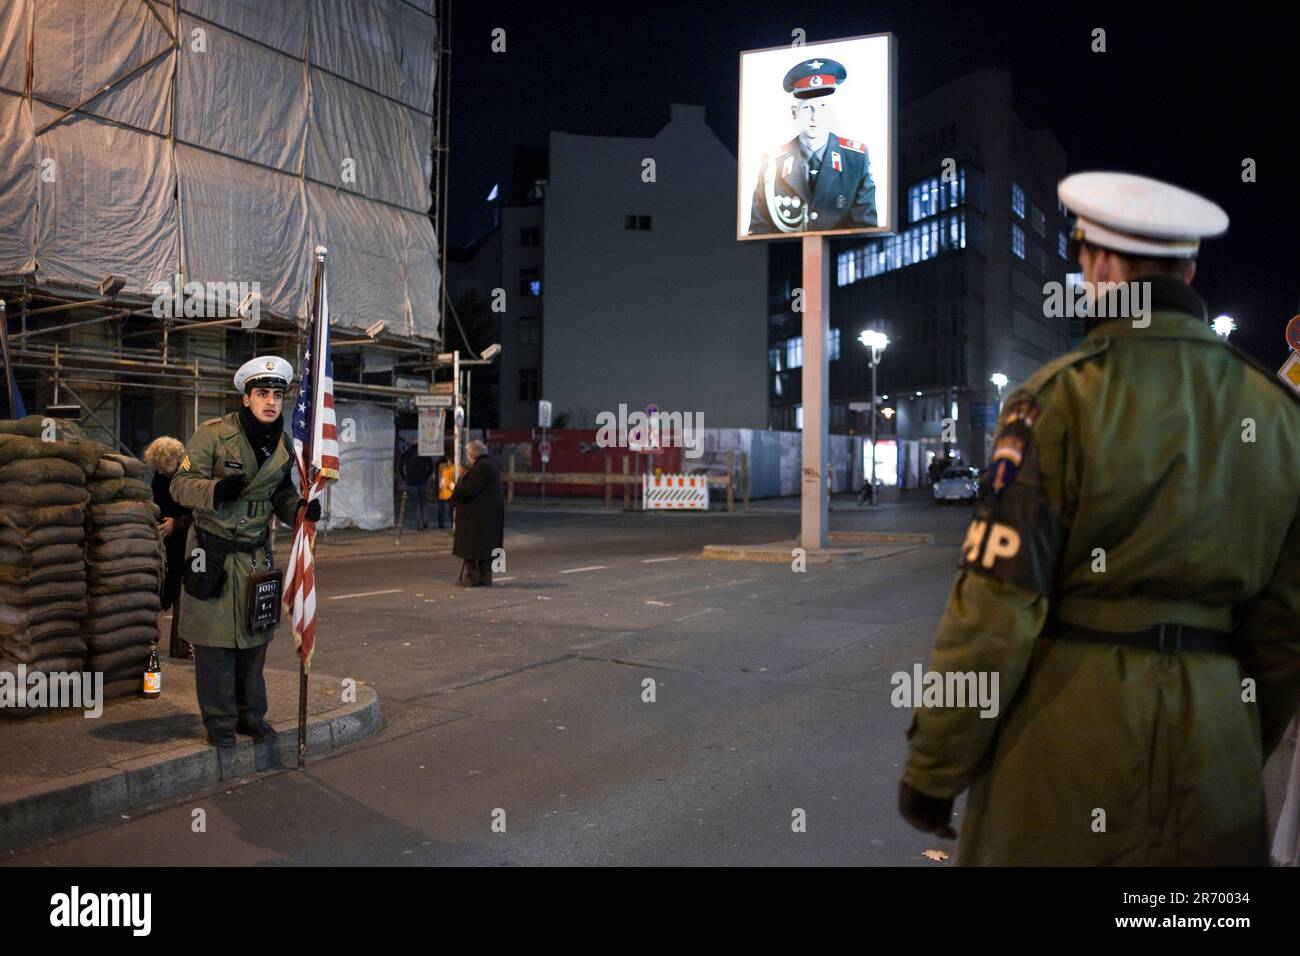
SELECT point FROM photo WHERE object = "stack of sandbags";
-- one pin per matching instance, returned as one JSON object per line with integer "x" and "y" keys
{"x": 43, "y": 498}
{"x": 124, "y": 563}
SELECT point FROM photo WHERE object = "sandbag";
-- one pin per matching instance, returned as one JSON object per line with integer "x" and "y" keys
{"x": 19, "y": 448}
{"x": 47, "y": 664}
{"x": 119, "y": 489}
{"x": 122, "y": 637}
{"x": 66, "y": 645}
{"x": 38, "y": 471}
{"x": 19, "y": 595}
{"x": 107, "y": 469}
{"x": 42, "y": 630}
{"x": 123, "y": 512}
{"x": 144, "y": 531}
{"x": 15, "y": 619}
{"x": 121, "y": 687}
{"x": 97, "y": 553}
{"x": 129, "y": 582}
{"x": 35, "y": 426}
{"x": 133, "y": 467}
{"x": 40, "y": 537}
{"x": 41, "y": 496}
{"x": 122, "y": 658}
{"x": 116, "y": 602}
{"x": 39, "y": 557}
{"x": 21, "y": 519}
{"x": 17, "y": 574}
{"x": 104, "y": 623}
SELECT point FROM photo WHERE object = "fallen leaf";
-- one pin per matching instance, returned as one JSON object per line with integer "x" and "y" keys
{"x": 936, "y": 855}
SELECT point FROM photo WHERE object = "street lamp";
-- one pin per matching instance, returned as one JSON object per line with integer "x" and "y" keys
{"x": 877, "y": 342}
{"x": 1224, "y": 326}
{"x": 1000, "y": 380}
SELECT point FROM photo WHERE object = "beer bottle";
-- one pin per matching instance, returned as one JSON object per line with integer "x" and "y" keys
{"x": 153, "y": 676}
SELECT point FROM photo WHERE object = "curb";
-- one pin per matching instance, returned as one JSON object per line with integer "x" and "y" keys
{"x": 781, "y": 552}
{"x": 44, "y": 809}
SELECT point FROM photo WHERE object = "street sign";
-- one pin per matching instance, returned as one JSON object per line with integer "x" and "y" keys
{"x": 543, "y": 414}
{"x": 443, "y": 388}
{"x": 1290, "y": 372}
{"x": 1293, "y": 333}
{"x": 545, "y": 449}
{"x": 859, "y": 406}
{"x": 432, "y": 423}
{"x": 433, "y": 401}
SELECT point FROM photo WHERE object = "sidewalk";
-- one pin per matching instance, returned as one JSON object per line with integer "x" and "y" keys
{"x": 63, "y": 770}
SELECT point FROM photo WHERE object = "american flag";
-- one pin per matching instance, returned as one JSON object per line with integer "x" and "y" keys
{"x": 316, "y": 450}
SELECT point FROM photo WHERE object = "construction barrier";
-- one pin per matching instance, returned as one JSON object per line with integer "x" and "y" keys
{"x": 675, "y": 492}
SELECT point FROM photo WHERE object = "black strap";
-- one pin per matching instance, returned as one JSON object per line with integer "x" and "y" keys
{"x": 212, "y": 542}
{"x": 1165, "y": 638}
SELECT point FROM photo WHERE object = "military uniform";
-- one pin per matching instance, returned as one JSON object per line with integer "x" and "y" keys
{"x": 234, "y": 537}
{"x": 1131, "y": 563}
{"x": 843, "y": 195}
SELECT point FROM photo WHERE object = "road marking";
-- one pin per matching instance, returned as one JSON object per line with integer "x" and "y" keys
{"x": 655, "y": 560}
{"x": 658, "y": 603}
{"x": 341, "y": 597}
{"x": 504, "y": 579}
{"x": 594, "y": 567}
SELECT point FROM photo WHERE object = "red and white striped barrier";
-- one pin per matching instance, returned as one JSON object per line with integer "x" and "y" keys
{"x": 675, "y": 492}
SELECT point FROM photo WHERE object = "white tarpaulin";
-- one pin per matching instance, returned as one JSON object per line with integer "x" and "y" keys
{"x": 363, "y": 495}
{"x": 296, "y": 122}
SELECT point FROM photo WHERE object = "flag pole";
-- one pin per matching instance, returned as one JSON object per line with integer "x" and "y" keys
{"x": 306, "y": 491}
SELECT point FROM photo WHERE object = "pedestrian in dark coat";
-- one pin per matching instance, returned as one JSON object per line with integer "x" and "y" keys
{"x": 165, "y": 454}
{"x": 480, "y": 516}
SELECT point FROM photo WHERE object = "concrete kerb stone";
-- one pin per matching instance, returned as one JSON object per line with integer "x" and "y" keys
{"x": 874, "y": 545}
{"x": 44, "y": 809}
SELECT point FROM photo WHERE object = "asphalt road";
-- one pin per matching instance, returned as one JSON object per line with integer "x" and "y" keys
{"x": 524, "y": 708}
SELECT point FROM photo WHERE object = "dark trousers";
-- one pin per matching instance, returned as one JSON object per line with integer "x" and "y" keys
{"x": 444, "y": 512}
{"x": 230, "y": 685}
{"x": 416, "y": 494}
{"x": 479, "y": 572}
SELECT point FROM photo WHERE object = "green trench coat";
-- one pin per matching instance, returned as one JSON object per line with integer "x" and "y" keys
{"x": 1134, "y": 451}
{"x": 219, "y": 449}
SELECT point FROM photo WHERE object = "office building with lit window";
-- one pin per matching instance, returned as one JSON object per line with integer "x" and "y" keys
{"x": 958, "y": 289}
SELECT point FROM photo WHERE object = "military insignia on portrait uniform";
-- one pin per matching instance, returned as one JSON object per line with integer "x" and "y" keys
{"x": 185, "y": 463}
{"x": 836, "y": 163}
{"x": 788, "y": 166}
{"x": 854, "y": 145}
{"x": 840, "y": 202}
{"x": 1021, "y": 410}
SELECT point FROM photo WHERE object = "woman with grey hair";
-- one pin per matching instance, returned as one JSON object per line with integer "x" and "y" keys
{"x": 480, "y": 517}
{"x": 165, "y": 455}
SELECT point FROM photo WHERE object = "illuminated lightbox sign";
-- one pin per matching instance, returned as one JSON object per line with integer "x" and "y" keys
{"x": 817, "y": 139}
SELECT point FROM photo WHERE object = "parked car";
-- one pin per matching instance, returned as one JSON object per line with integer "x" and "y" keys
{"x": 957, "y": 484}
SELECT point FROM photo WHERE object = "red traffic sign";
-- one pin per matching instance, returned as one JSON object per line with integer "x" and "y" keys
{"x": 1293, "y": 333}
{"x": 544, "y": 449}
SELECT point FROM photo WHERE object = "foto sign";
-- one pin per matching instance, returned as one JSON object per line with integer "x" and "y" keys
{"x": 817, "y": 139}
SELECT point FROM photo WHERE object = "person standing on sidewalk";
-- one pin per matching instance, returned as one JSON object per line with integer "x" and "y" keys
{"x": 236, "y": 477}
{"x": 446, "y": 482}
{"x": 480, "y": 517}
{"x": 165, "y": 454}
{"x": 416, "y": 469}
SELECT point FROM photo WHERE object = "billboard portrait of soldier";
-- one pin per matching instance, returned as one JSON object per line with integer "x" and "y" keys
{"x": 816, "y": 152}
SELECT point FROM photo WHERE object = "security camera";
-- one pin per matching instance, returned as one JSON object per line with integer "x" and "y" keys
{"x": 246, "y": 307}
{"x": 492, "y": 350}
{"x": 111, "y": 285}
{"x": 374, "y": 329}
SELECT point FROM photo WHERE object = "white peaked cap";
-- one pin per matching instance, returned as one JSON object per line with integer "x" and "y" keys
{"x": 1140, "y": 216}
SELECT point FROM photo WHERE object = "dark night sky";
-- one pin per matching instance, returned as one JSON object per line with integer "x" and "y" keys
{"x": 1181, "y": 94}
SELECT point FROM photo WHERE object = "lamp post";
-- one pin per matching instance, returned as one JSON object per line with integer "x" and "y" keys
{"x": 877, "y": 342}
{"x": 1000, "y": 380}
{"x": 1223, "y": 327}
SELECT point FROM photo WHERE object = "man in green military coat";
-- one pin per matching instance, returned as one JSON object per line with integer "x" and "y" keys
{"x": 236, "y": 477}
{"x": 1132, "y": 576}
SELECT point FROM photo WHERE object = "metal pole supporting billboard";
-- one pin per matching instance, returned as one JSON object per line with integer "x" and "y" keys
{"x": 816, "y": 391}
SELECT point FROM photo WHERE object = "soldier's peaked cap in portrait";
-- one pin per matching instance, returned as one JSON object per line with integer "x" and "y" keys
{"x": 265, "y": 371}
{"x": 815, "y": 77}
{"x": 1138, "y": 216}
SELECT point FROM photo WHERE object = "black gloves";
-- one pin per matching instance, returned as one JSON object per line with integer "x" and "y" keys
{"x": 926, "y": 813}
{"x": 228, "y": 489}
{"x": 313, "y": 509}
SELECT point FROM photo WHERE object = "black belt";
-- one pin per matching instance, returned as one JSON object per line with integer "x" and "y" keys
{"x": 210, "y": 540}
{"x": 1165, "y": 638}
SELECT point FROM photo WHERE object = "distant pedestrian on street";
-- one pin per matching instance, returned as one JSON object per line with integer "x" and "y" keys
{"x": 416, "y": 471}
{"x": 165, "y": 454}
{"x": 480, "y": 516}
{"x": 446, "y": 482}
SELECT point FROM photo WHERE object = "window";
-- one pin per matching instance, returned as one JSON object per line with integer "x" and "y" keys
{"x": 530, "y": 331}
{"x": 794, "y": 352}
{"x": 636, "y": 223}
{"x": 834, "y": 350}
{"x": 939, "y": 236}
{"x": 1017, "y": 200}
{"x": 1038, "y": 219}
{"x": 1061, "y": 245}
{"x": 539, "y": 189}
{"x": 774, "y": 359}
{"x": 530, "y": 236}
{"x": 528, "y": 391}
{"x": 530, "y": 282}
{"x": 1017, "y": 240}
{"x": 798, "y": 418}
{"x": 932, "y": 196}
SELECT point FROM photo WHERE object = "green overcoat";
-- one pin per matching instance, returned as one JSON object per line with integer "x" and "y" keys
{"x": 217, "y": 450}
{"x": 1153, "y": 477}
